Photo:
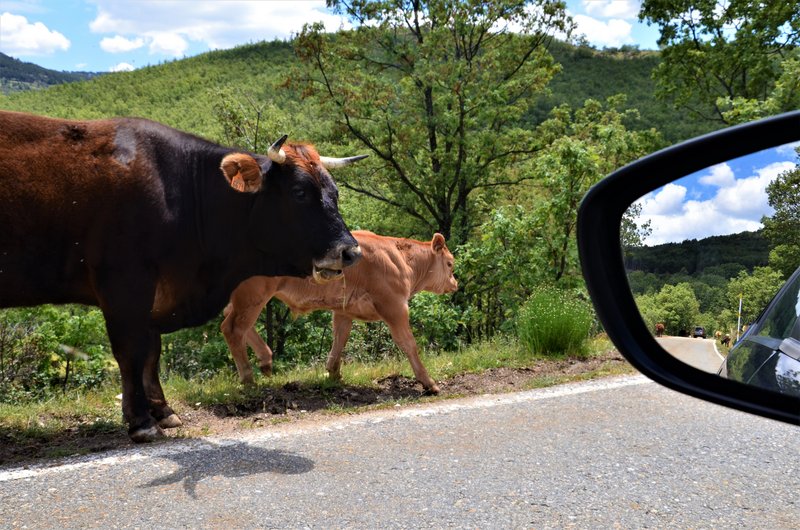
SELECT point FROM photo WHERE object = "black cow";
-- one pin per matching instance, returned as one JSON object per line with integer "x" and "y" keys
{"x": 156, "y": 227}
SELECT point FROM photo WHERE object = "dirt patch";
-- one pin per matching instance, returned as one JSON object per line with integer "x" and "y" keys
{"x": 293, "y": 401}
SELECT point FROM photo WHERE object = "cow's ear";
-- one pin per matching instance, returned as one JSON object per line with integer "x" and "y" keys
{"x": 242, "y": 172}
{"x": 437, "y": 243}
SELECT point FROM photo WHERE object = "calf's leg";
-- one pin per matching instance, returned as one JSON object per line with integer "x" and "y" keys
{"x": 234, "y": 327}
{"x": 261, "y": 349}
{"x": 401, "y": 334}
{"x": 341, "y": 332}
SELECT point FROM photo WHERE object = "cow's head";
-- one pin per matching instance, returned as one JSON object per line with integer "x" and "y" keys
{"x": 295, "y": 220}
{"x": 440, "y": 278}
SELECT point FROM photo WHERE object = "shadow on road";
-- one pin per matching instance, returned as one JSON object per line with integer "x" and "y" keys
{"x": 237, "y": 460}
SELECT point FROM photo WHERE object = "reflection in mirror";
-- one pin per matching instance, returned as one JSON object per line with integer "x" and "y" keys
{"x": 706, "y": 254}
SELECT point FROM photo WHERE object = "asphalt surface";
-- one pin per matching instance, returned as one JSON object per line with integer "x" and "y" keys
{"x": 619, "y": 452}
{"x": 699, "y": 353}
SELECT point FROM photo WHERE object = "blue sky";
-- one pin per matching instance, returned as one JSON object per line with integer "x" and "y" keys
{"x": 724, "y": 199}
{"x": 113, "y": 35}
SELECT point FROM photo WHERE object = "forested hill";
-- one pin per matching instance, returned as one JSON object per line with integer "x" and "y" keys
{"x": 727, "y": 254}
{"x": 181, "y": 93}
{"x": 16, "y": 75}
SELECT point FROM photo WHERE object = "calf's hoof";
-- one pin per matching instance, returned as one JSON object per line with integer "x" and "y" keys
{"x": 266, "y": 370}
{"x": 432, "y": 389}
{"x": 170, "y": 422}
{"x": 146, "y": 434}
{"x": 334, "y": 376}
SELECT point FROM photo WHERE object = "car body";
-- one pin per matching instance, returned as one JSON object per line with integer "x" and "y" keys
{"x": 768, "y": 355}
{"x": 699, "y": 331}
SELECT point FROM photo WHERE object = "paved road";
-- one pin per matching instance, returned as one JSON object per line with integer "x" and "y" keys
{"x": 611, "y": 453}
{"x": 700, "y": 353}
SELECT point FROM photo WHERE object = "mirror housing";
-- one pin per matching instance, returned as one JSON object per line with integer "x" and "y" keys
{"x": 603, "y": 268}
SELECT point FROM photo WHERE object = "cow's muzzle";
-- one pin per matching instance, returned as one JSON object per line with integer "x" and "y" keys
{"x": 331, "y": 267}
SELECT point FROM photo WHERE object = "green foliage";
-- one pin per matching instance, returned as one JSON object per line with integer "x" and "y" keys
{"x": 756, "y": 289}
{"x": 785, "y": 96}
{"x": 51, "y": 348}
{"x": 583, "y": 146}
{"x": 675, "y": 306}
{"x": 727, "y": 254}
{"x": 435, "y": 320}
{"x": 554, "y": 322}
{"x": 713, "y": 52}
{"x": 438, "y": 101}
{"x": 587, "y": 73}
{"x": 783, "y": 228}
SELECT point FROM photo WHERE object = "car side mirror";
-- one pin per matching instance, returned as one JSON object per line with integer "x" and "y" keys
{"x": 603, "y": 219}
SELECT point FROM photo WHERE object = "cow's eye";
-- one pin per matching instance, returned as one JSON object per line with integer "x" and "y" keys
{"x": 299, "y": 194}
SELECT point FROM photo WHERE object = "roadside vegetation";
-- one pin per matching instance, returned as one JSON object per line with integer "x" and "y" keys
{"x": 490, "y": 141}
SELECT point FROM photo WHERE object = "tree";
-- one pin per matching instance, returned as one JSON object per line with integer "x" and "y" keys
{"x": 436, "y": 90}
{"x": 675, "y": 306}
{"x": 783, "y": 228}
{"x": 583, "y": 146}
{"x": 714, "y": 52}
{"x": 756, "y": 290}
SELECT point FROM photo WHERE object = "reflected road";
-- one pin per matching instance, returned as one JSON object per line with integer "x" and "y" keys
{"x": 699, "y": 353}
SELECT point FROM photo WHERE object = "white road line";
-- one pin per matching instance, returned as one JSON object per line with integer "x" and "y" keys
{"x": 432, "y": 409}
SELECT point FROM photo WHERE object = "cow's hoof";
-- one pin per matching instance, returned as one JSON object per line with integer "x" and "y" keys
{"x": 266, "y": 370}
{"x": 335, "y": 376}
{"x": 170, "y": 422}
{"x": 146, "y": 435}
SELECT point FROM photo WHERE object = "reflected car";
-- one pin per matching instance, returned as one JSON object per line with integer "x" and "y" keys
{"x": 699, "y": 331}
{"x": 768, "y": 355}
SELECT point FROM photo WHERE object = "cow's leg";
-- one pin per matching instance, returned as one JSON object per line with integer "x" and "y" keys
{"x": 341, "y": 332}
{"x": 261, "y": 349}
{"x": 401, "y": 334}
{"x": 126, "y": 297}
{"x": 129, "y": 344}
{"x": 159, "y": 409}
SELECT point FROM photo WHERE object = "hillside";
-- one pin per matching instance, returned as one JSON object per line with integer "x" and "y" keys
{"x": 16, "y": 75}
{"x": 183, "y": 93}
{"x": 729, "y": 253}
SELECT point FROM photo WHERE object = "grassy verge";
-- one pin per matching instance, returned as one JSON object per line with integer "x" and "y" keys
{"x": 91, "y": 421}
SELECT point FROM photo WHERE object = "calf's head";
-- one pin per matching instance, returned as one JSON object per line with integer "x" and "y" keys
{"x": 440, "y": 278}
{"x": 295, "y": 220}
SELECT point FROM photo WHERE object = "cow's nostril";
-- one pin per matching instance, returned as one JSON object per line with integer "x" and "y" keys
{"x": 350, "y": 255}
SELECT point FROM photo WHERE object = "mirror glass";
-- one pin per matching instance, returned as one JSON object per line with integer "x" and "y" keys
{"x": 705, "y": 257}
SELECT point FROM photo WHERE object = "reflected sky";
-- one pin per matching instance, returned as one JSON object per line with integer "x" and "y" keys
{"x": 724, "y": 199}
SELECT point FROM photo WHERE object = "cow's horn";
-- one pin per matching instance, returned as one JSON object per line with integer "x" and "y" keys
{"x": 331, "y": 163}
{"x": 275, "y": 153}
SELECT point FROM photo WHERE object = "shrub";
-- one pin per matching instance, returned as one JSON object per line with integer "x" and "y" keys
{"x": 554, "y": 322}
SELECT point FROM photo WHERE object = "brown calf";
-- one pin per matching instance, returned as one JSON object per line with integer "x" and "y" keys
{"x": 378, "y": 287}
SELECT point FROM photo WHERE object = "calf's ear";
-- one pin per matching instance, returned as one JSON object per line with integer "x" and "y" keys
{"x": 437, "y": 243}
{"x": 242, "y": 172}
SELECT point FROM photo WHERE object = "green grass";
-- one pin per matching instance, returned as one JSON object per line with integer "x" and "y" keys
{"x": 97, "y": 412}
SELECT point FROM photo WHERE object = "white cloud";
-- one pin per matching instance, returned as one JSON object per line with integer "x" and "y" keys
{"x": 121, "y": 67}
{"x": 737, "y": 206}
{"x": 613, "y": 33}
{"x": 626, "y": 9}
{"x": 23, "y": 38}
{"x": 788, "y": 150}
{"x": 719, "y": 175}
{"x": 168, "y": 44}
{"x": 667, "y": 201}
{"x": 167, "y": 27}
{"x": 119, "y": 44}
